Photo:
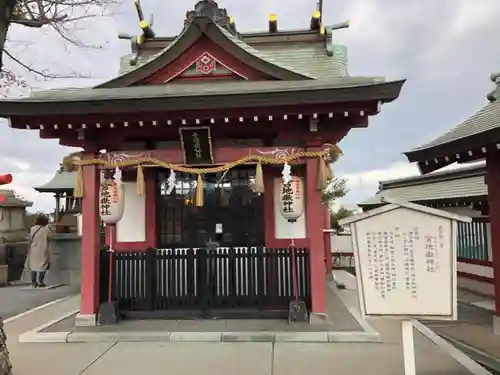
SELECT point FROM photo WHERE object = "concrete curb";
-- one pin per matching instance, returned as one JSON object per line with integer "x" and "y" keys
{"x": 470, "y": 358}
{"x": 474, "y": 304}
{"x": 368, "y": 335}
{"x": 48, "y": 287}
{"x": 232, "y": 337}
{"x": 35, "y": 335}
{"x": 484, "y": 359}
{"x": 33, "y": 310}
{"x": 363, "y": 323}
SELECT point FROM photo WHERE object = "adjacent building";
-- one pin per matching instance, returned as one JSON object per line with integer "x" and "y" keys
{"x": 477, "y": 138}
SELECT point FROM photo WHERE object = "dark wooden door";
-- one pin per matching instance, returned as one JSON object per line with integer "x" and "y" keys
{"x": 230, "y": 204}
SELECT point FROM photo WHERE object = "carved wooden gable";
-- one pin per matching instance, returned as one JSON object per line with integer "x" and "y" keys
{"x": 207, "y": 67}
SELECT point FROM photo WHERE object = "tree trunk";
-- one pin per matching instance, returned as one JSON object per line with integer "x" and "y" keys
{"x": 5, "y": 366}
{"x": 6, "y": 8}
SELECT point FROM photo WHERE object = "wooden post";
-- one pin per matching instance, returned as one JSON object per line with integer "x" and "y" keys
{"x": 493, "y": 182}
{"x": 58, "y": 207}
{"x": 315, "y": 220}
{"x": 89, "y": 302}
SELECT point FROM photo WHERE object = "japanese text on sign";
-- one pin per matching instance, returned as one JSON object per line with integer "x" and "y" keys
{"x": 287, "y": 197}
{"x": 105, "y": 200}
{"x": 382, "y": 265}
{"x": 114, "y": 190}
{"x": 297, "y": 189}
{"x": 405, "y": 262}
{"x": 197, "y": 145}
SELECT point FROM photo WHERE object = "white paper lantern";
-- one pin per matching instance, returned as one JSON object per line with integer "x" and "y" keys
{"x": 291, "y": 197}
{"x": 111, "y": 201}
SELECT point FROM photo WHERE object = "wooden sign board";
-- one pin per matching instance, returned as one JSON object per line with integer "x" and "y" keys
{"x": 196, "y": 145}
{"x": 405, "y": 258}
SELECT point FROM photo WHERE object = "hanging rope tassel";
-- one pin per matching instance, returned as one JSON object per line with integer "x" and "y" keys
{"x": 78, "y": 189}
{"x": 199, "y": 192}
{"x": 323, "y": 174}
{"x": 140, "y": 184}
{"x": 259, "y": 179}
{"x": 329, "y": 168}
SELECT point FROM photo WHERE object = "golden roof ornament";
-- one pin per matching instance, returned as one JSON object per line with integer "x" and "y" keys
{"x": 147, "y": 32}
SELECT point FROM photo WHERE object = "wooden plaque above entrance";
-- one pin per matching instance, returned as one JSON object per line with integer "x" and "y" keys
{"x": 196, "y": 145}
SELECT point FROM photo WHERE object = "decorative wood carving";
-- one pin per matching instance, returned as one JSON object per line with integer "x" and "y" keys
{"x": 278, "y": 152}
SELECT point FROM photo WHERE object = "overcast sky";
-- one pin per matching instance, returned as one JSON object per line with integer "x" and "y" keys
{"x": 446, "y": 50}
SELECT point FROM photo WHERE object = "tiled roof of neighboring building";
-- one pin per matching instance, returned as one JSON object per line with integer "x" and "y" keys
{"x": 463, "y": 183}
{"x": 485, "y": 119}
{"x": 8, "y": 199}
{"x": 479, "y": 130}
{"x": 61, "y": 182}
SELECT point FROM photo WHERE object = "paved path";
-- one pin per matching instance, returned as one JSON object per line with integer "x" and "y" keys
{"x": 216, "y": 358}
{"x": 17, "y": 299}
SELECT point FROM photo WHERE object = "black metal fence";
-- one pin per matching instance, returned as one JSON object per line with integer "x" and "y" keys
{"x": 255, "y": 278}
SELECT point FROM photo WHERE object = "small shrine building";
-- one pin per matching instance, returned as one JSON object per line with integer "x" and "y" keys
{"x": 202, "y": 125}
{"x": 62, "y": 185}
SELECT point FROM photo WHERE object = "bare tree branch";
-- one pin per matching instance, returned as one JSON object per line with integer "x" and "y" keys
{"x": 29, "y": 68}
{"x": 36, "y": 23}
{"x": 41, "y": 73}
{"x": 59, "y": 15}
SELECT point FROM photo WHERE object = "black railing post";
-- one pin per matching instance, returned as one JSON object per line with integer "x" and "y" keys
{"x": 202, "y": 287}
{"x": 103, "y": 274}
{"x": 191, "y": 277}
{"x": 231, "y": 269}
{"x": 151, "y": 257}
{"x": 261, "y": 292}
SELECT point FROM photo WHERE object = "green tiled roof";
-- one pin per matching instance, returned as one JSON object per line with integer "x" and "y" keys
{"x": 310, "y": 58}
{"x": 62, "y": 181}
{"x": 260, "y": 54}
{"x": 228, "y": 94}
{"x": 307, "y": 58}
{"x": 214, "y": 88}
{"x": 487, "y": 118}
{"x": 463, "y": 183}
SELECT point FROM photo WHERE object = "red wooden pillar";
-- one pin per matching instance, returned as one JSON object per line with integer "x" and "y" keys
{"x": 315, "y": 221}
{"x": 493, "y": 182}
{"x": 89, "y": 302}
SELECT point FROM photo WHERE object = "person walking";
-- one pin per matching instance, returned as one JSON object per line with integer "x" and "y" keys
{"x": 39, "y": 256}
